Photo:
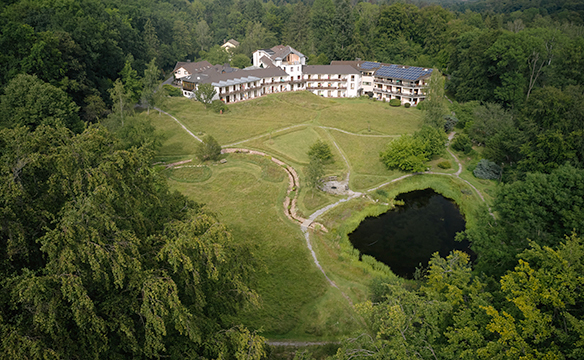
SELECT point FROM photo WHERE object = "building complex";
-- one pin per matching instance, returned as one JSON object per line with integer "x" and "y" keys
{"x": 282, "y": 69}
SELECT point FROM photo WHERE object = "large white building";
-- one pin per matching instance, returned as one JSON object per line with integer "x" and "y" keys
{"x": 283, "y": 68}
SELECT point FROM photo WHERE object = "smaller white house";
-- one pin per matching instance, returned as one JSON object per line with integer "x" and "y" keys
{"x": 230, "y": 45}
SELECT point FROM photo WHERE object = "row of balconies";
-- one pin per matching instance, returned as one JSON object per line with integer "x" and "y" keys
{"x": 398, "y": 92}
{"x": 404, "y": 84}
{"x": 326, "y": 87}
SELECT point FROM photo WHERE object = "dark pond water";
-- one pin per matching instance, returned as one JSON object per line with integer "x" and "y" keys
{"x": 406, "y": 237}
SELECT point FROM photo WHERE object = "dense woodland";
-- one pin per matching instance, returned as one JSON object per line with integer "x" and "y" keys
{"x": 99, "y": 259}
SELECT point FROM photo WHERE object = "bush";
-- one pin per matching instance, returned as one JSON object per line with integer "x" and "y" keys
{"x": 421, "y": 105}
{"x": 218, "y": 105}
{"x": 486, "y": 169}
{"x": 462, "y": 143}
{"x": 172, "y": 91}
{"x": 209, "y": 149}
{"x": 394, "y": 102}
{"x": 444, "y": 165}
{"x": 407, "y": 105}
{"x": 450, "y": 123}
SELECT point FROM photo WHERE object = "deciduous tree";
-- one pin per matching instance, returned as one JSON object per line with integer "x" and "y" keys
{"x": 205, "y": 94}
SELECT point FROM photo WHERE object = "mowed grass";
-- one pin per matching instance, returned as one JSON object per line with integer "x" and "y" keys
{"x": 368, "y": 116}
{"x": 247, "y": 119}
{"x": 246, "y": 197}
{"x": 247, "y": 192}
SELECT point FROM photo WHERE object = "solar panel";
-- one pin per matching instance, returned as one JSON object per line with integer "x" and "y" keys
{"x": 368, "y": 65}
{"x": 399, "y": 72}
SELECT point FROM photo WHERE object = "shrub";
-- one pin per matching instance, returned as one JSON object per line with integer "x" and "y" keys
{"x": 209, "y": 149}
{"x": 394, "y": 102}
{"x": 218, "y": 105}
{"x": 450, "y": 123}
{"x": 421, "y": 105}
{"x": 407, "y": 105}
{"x": 462, "y": 143}
{"x": 172, "y": 91}
{"x": 444, "y": 165}
{"x": 486, "y": 169}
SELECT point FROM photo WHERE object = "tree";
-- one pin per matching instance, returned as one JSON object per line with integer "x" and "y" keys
{"x": 434, "y": 105}
{"x": 216, "y": 55}
{"x": 321, "y": 23}
{"x": 129, "y": 78}
{"x": 343, "y": 27}
{"x": 205, "y": 94}
{"x": 405, "y": 153}
{"x": 151, "y": 92}
{"x": 29, "y": 101}
{"x": 543, "y": 208}
{"x": 122, "y": 101}
{"x": 240, "y": 61}
{"x": 410, "y": 152}
{"x": 321, "y": 151}
{"x": 209, "y": 149}
{"x": 314, "y": 172}
{"x": 100, "y": 260}
{"x": 489, "y": 119}
{"x": 151, "y": 40}
{"x": 203, "y": 33}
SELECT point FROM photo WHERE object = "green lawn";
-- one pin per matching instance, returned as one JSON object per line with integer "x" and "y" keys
{"x": 247, "y": 193}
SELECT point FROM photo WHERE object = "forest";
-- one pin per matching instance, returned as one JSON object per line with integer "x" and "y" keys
{"x": 100, "y": 259}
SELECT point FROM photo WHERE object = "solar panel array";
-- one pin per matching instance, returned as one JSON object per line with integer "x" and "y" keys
{"x": 368, "y": 65}
{"x": 399, "y": 72}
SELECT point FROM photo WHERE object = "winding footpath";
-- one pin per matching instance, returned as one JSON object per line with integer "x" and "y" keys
{"x": 289, "y": 203}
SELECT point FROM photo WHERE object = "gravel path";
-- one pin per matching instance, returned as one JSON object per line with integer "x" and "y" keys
{"x": 305, "y": 224}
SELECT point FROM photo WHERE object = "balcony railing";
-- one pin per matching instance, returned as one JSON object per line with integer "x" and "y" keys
{"x": 403, "y": 84}
{"x": 398, "y": 93}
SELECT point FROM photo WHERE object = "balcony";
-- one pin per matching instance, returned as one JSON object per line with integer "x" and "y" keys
{"x": 402, "y": 84}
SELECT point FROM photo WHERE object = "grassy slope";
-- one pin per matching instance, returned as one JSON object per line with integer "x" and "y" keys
{"x": 297, "y": 303}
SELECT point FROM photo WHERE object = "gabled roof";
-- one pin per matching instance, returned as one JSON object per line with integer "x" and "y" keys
{"x": 329, "y": 69}
{"x": 266, "y": 61}
{"x": 355, "y": 64}
{"x": 232, "y": 42}
{"x": 234, "y": 77}
{"x": 193, "y": 67}
{"x": 281, "y": 51}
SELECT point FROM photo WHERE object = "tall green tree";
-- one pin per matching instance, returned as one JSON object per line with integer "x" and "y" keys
{"x": 151, "y": 92}
{"x": 321, "y": 23}
{"x": 434, "y": 104}
{"x": 343, "y": 31}
{"x": 29, "y": 101}
{"x": 100, "y": 260}
{"x": 205, "y": 94}
{"x": 130, "y": 80}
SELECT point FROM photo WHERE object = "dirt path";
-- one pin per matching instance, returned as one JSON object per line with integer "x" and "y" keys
{"x": 289, "y": 203}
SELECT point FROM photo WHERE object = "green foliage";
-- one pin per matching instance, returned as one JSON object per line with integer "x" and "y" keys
{"x": 321, "y": 151}
{"x": 486, "y": 169}
{"x": 209, "y": 149}
{"x": 240, "y": 61}
{"x": 395, "y": 102}
{"x": 411, "y": 152}
{"x": 100, "y": 260}
{"x": 132, "y": 85}
{"x": 28, "y": 101}
{"x": 216, "y": 55}
{"x": 172, "y": 91}
{"x": 405, "y": 153}
{"x": 219, "y": 106}
{"x": 314, "y": 172}
{"x": 151, "y": 95}
{"x": 462, "y": 143}
{"x": 434, "y": 105}
{"x": 407, "y": 105}
{"x": 450, "y": 123}
{"x": 205, "y": 94}
{"x": 444, "y": 165}
{"x": 489, "y": 119}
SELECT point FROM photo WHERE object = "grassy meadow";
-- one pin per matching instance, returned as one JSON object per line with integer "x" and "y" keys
{"x": 247, "y": 194}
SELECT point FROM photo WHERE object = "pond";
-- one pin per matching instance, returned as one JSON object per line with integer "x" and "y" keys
{"x": 406, "y": 237}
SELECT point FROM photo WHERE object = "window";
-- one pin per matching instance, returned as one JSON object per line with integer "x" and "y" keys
{"x": 298, "y": 69}
{"x": 366, "y": 83}
{"x": 352, "y": 77}
{"x": 352, "y": 86}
